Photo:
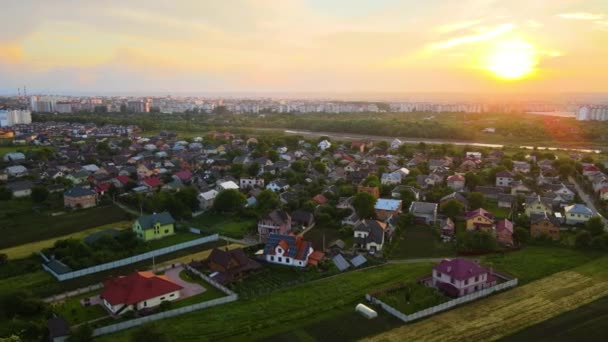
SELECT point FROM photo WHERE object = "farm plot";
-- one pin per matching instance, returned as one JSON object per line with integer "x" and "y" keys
{"x": 505, "y": 313}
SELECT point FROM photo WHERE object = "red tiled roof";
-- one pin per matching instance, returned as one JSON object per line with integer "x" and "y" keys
{"x": 315, "y": 257}
{"x": 123, "y": 179}
{"x": 455, "y": 178}
{"x": 184, "y": 175}
{"x": 136, "y": 287}
{"x": 460, "y": 269}
{"x": 102, "y": 187}
{"x": 480, "y": 212}
{"x": 152, "y": 182}
{"x": 320, "y": 199}
{"x": 504, "y": 224}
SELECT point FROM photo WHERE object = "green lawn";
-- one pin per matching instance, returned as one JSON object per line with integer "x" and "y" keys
{"x": 420, "y": 242}
{"x": 420, "y": 298}
{"x": 75, "y": 313}
{"x": 20, "y": 224}
{"x": 492, "y": 206}
{"x": 230, "y": 226}
{"x": 535, "y": 262}
{"x": 283, "y": 310}
{"x": 178, "y": 237}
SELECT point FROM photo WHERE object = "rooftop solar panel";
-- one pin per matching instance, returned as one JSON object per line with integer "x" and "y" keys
{"x": 340, "y": 262}
{"x": 358, "y": 260}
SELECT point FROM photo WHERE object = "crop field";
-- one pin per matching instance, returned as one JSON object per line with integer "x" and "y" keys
{"x": 20, "y": 224}
{"x": 25, "y": 250}
{"x": 510, "y": 311}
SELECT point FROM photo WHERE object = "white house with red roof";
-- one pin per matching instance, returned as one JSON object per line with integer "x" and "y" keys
{"x": 138, "y": 291}
{"x": 290, "y": 250}
{"x": 456, "y": 182}
{"x": 459, "y": 277}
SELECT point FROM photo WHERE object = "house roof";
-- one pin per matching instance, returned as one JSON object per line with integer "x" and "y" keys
{"x": 456, "y": 178}
{"x": 578, "y": 209}
{"x": 375, "y": 229}
{"x": 455, "y": 196}
{"x": 423, "y": 207}
{"x": 184, "y": 175}
{"x": 301, "y": 216}
{"x": 320, "y": 199}
{"x": 387, "y": 204}
{"x": 148, "y": 221}
{"x": 479, "y": 212}
{"x": 460, "y": 269}
{"x": 294, "y": 246}
{"x": 19, "y": 186}
{"x": 137, "y": 287}
{"x": 504, "y": 224}
{"x": 504, "y": 174}
{"x": 278, "y": 216}
{"x": 58, "y": 327}
{"x": 152, "y": 182}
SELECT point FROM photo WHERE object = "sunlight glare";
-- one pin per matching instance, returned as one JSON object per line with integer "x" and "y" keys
{"x": 512, "y": 60}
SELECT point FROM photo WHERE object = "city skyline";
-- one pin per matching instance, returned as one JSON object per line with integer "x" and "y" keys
{"x": 259, "y": 47}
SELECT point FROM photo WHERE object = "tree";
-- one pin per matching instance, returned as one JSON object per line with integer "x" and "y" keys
{"x": 521, "y": 235}
{"x": 583, "y": 239}
{"x": 566, "y": 170}
{"x": 319, "y": 167}
{"x": 298, "y": 166}
{"x": 253, "y": 169}
{"x": 39, "y": 194}
{"x": 476, "y": 200}
{"x": 267, "y": 200}
{"x": 372, "y": 181}
{"x": 407, "y": 197}
{"x": 84, "y": 333}
{"x": 5, "y": 193}
{"x": 364, "y": 203}
{"x": 476, "y": 241}
{"x": 595, "y": 226}
{"x": 472, "y": 180}
{"x": 229, "y": 201}
{"x": 453, "y": 208}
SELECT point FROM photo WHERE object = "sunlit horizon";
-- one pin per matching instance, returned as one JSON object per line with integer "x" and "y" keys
{"x": 475, "y": 46}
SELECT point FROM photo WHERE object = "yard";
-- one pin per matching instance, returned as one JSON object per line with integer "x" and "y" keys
{"x": 21, "y": 223}
{"x": 75, "y": 313}
{"x": 230, "y": 226}
{"x": 317, "y": 234}
{"x": 178, "y": 237}
{"x": 420, "y": 242}
{"x": 500, "y": 213}
{"x": 412, "y": 298}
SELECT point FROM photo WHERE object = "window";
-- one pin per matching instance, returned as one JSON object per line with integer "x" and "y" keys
{"x": 162, "y": 298}
{"x": 466, "y": 282}
{"x": 280, "y": 259}
{"x": 272, "y": 258}
{"x": 452, "y": 280}
{"x": 166, "y": 231}
{"x": 145, "y": 303}
{"x": 172, "y": 295}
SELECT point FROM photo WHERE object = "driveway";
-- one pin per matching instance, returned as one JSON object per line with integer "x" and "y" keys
{"x": 189, "y": 289}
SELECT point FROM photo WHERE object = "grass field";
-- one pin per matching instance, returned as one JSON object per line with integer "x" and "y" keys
{"x": 420, "y": 242}
{"x": 178, "y": 237}
{"x": 20, "y": 224}
{"x": 9, "y": 149}
{"x": 75, "y": 313}
{"x": 492, "y": 206}
{"x": 25, "y": 250}
{"x": 505, "y": 313}
{"x": 586, "y": 323}
{"x": 233, "y": 227}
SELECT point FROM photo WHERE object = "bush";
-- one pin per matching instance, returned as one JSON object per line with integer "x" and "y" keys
{"x": 583, "y": 239}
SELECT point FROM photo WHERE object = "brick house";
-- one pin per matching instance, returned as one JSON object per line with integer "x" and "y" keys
{"x": 277, "y": 221}
{"x": 544, "y": 225}
{"x": 79, "y": 197}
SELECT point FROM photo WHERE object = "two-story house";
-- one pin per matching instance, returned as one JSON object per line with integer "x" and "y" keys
{"x": 370, "y": 235}
{"x": 480, "y": 219}
{"x": 459, "y": 277}
{"x": 155, "y": 226}
{"x": 577, "y": 214}
{"x": 277, "y": 221}
{"x": 538, "y": 205}
{"x": 504, "y": 178}
{"x": 290, "y": 250}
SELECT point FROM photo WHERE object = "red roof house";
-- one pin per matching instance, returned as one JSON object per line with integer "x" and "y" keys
{"x": 320, "y": 199}
{"x": 459, "y": 277}
{"x": 504, "y": 232}
{"x": 138, "y": 291}
{"x": 152, "y": 182}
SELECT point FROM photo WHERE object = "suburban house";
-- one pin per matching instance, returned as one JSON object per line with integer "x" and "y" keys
{"x": 324, "y": 145}
{"x": 459, "y": 277}
{"x": 392, "y": 178}
{"x": 20, "y": 188}
{"x": 302, "y": 219}
{"x": 448, "y": 229}
{"x": 137, "y": 291}
{"x": 206, "y": 199}
{"x": 16, "y": 171}
{"x": 79, "y": 197}
{"x": 278, "y": 185}
{"x": 505, "y": 201}
{"x": 480, "y": 219}
{"x": 522, "y": 167}
{"x": 155, "y": 226}
{"x": 373, "y": 190}
{"x": 456, "y": 182}
{"x": 544, "y": 225}
{"x": 396, "y": 192}
{"x": 370, "y": 235}
{"x": 424, "y": 212}
{"x": 504, "y": 232}
{"x": 290, "y": 250}
{"x": 454, "y": 196}
{"x": 577, "y": 214}
{"x": 228, "y": 266}
{"x": 519, "y": 188}
{"x": 229, "y": 185}
{"x": 277, "y": 221}
{"x": 538, "y": 205}
{"x": 386, "y": 208}
{"x": 504, "y": 178}
{"x": 248, "y": 183}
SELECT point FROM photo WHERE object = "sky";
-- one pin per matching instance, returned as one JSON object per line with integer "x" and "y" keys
{"x": 258, "y": 46}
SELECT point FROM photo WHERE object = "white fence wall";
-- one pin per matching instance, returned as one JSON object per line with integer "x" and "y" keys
{"x": 162, "y": 315}
{"x": 131, "y": 260}
{"x": 441, "y": 307}
{"x": 74, "y": 293}
{"x": 211, "y": 281}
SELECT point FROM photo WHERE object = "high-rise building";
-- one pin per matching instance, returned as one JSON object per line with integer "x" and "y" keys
{"x": 599, "y": 113}
{"x": 11, "y": 117}
{"x": 139, "y": 106}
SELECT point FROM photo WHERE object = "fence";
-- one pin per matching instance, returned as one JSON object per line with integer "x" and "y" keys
{"x": 211, "y": 281}
{"x": 162, "y": 315}
{"x": 441, "y": 307}
{"x": 74, "y": 293}
{"x": 130, "y": 260}
{"x": 194, "y": 230}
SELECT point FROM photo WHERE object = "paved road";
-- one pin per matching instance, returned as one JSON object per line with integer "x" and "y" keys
{"x": 585, "y": 197}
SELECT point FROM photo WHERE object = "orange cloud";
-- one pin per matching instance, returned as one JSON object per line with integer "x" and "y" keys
{"x": 10, "y": 53}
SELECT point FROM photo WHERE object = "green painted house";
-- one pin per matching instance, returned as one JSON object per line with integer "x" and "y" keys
{"x": 155, "y": 226}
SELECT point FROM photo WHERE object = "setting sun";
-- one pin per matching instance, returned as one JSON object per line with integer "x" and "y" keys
{"x": 512, "y": 60}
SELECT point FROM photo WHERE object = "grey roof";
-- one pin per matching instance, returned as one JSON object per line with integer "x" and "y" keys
{"x": 423, "y": 207}
{"x": 376, "y": 233}
{"x": 92, "y": 238}
{"x": 148, "y": 221}
{"x": 278, "y": 216}
{"x": 455, "y": 196}
{"x": 340, "y": 262}
{"x": 19, "y": 186}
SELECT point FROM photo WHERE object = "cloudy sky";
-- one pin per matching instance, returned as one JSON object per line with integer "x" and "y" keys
{"x": 304, "y": 46}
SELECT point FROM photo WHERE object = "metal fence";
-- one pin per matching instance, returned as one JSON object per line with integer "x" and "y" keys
{"x": 441, "y": 307}
{"x": 131, "y": 260}
{"x": 162, "y": 315}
